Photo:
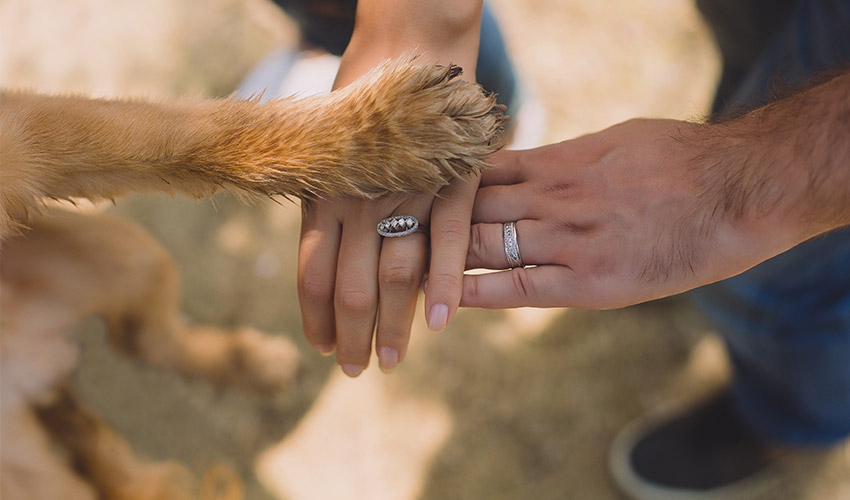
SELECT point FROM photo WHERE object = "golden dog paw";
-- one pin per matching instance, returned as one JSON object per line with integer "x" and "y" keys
{"x": 402, "y": 127}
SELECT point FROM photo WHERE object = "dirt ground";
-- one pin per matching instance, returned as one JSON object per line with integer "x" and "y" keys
{"x": 503, "y": 404}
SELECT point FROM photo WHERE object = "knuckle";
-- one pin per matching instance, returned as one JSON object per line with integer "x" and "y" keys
{"x": 315, "y": 290}
{"x": 352, "y": 349}
{"x": 454, "y": 229}
{"x": 523, "y": 284}
{"x": 399, "y": 277}
{"x": 446, "y": 280}
{"x": 470, "y": 289}
{"x": 356, "y": 301}
{"x": 395, "y": 335}
{"x": 477, "y": 242}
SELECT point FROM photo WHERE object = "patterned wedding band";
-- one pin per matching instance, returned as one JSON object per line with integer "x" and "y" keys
{"x": 399, "y": 225}
{"x": 512, "y": 245}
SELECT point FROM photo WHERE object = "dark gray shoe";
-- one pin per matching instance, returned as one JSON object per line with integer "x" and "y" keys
{"x": 708, "y": 453}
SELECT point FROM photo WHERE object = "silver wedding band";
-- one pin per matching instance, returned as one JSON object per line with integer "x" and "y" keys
{"x": 512, "y": 245}
{"x": 400, "y": 225}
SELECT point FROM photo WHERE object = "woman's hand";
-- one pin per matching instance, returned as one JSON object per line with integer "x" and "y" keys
{"x": 348, "y": 274}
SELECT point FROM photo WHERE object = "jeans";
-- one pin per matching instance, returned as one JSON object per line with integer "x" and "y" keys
{"x": 329, "y": 24}
{"x": 786, "y": 322}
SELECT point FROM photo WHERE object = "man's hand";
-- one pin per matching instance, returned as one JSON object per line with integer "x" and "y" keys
{"x": 609, "y": 219}
{"x": 651, "y": 208}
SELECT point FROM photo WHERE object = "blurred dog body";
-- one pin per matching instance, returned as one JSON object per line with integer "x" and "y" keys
{"x": 402, "y": 127}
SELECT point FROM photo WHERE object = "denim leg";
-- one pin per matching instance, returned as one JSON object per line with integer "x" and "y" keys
{"x": 742, "y": 30}
{"x": 495, "y": 70}
{"x": 814, "y": 40}
{"x": 786, "y": 322}
{"x": 329, "y": 24}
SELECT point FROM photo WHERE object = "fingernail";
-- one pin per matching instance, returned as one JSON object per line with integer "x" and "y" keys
{"x": 324, "y": 349}
{"x": 352, "y": 370}
{"x": 438, "y": 316}
{"x": 387, "y": 359}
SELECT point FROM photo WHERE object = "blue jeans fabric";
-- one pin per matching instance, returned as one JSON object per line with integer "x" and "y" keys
{"x": 786, "y": 322}
{"x": 329, "y": 24}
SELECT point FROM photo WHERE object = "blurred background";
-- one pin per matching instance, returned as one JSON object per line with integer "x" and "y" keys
{"x": 503, "y": 404}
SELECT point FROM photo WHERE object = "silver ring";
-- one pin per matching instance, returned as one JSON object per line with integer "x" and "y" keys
{"x": 512, "y": 245}
{"x": 399, "y": 225}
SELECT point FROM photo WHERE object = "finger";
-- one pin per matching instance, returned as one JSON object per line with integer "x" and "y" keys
{"x": 317, "y": 255}
{"x": 500, "y": 203}
{"x": 543, "y": 286}
{"x": 450, "y": 221}
{"x": 506, "y": 169}
{"x": 536, "y": 245}
{"x": 402, "y": 266}
{"x": 356, "y": 293}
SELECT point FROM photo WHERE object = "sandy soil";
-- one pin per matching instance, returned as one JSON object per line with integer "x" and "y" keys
{"x": 502, "y": 405}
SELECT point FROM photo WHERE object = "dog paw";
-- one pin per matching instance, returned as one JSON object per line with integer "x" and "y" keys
{"x": 411, "y": 128}
{"x": 242, "y": 358}
{"x": 262, "y": 363}
{"x": 402, "y": 127}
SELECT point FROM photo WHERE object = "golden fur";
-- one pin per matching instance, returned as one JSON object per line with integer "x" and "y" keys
{"x": 402, "y": 127}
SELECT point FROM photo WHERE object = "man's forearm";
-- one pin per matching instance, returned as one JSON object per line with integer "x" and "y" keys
{"x": 788, "y": 162}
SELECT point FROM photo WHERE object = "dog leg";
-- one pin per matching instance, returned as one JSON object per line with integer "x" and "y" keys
{"x": 401, "y": 127}
{"x": 144, "y": 322}
{"x": 68, "y": 267}
{"x": 35, "y": 355}
{"x": 29, "y": 467}
{"x": 106, "y": 460}
{"x": 39, "y": 309}
{"x": 83, "y": 266}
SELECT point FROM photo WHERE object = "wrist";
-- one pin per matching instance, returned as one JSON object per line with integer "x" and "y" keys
{"x": 750, "y": 182}
{"x": 789, "y": 160}
{"x": 442, "y": 34}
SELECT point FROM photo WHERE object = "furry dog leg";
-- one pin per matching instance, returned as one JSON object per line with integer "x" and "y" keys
{"x": 400, "y": 127}
{"x": 70, "y": 266}
{"x": 106, "y": 460}
{"x": 29, "y": 467}
{"x": 110, "y": 267}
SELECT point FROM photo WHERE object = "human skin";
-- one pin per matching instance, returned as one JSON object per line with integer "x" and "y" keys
{"x": 349, "y": 278}
{"x": 651, "y": 208}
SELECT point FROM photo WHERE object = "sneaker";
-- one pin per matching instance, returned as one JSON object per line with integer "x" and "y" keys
{"x": 709, "y": 453}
